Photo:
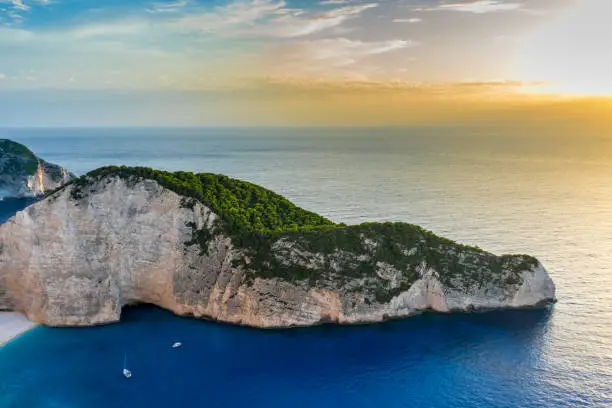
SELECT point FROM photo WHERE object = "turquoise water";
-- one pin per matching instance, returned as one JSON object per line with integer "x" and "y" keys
{"x": 547, "y": 196}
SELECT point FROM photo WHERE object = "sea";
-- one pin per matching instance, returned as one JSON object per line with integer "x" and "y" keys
{"x": 548, "y": 194}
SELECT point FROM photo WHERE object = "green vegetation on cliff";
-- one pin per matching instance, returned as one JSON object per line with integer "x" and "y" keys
{"x": 15, "y": 158}
{"x": 9, "y": 147}
{"x": 243, "y": 207}
{"x": 343, "y": 254}
{"x": 347, "y": 253}
{"x": 281, "y": 240}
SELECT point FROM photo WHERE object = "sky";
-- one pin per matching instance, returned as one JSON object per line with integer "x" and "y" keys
{"x": 304, "y": 62}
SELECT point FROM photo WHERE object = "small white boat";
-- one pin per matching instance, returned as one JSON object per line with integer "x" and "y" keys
{"x": 177, "y": 344}
{"x": 126, "y": 373}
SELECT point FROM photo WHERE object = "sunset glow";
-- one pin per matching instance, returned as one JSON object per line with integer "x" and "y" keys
{"x": 295, "y": 62}
{"x": 570, "y": 52}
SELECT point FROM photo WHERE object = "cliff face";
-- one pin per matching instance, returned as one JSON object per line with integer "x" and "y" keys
{"x": 22, "y": 174}
{"x": 80, "y": 255}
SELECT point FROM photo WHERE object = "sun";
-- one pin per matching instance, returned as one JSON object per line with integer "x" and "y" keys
{"x": 572, "y": 54}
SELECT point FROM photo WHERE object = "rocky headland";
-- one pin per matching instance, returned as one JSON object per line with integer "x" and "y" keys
{"x": 213, "y": 247}
{"x": 23, "y": 174}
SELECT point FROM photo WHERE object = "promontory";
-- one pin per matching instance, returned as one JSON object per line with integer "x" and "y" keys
{"x": 22, "y": 174}
{"x": 214, "y": 247}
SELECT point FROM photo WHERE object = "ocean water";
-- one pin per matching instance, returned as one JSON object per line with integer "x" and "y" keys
{"x": 549, "y": 195}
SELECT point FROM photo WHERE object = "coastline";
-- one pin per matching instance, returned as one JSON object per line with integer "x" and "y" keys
{"x": 13, "y": 324}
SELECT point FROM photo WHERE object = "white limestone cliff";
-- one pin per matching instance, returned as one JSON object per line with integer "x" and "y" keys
{"x": 78, "y": 261}
{"x": 23, "y": 175}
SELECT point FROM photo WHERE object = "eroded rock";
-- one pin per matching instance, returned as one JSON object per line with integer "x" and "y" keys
{"x": 77, "y": 257}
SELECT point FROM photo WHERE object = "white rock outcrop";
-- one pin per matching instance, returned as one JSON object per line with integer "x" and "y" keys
{"x": 78, "y": 261}
{"x": 23, "y": 175}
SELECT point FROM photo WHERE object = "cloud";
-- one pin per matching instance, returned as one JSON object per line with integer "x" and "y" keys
{"x": 327, "y": 2}
{"x": 13, "y": 14}
{"x": 19, "y": 5}
{"x": 2, "y": 76}
{"x": 499, "y": 84}
{"x": 344, "y": 51}
{"x": 407, "y": 20}
{"x": 291, "y": 25}
{"x": 459, "y": 91}
{"x": 267, "y": 18}
{"x": 170, "y": 7}
{"x": 329, "y": 58}
{"x": 476, "y": 7}
{"x": 22, "y": 6}
{"x": 232, "y": 14}
{"x": 123, "y": 28}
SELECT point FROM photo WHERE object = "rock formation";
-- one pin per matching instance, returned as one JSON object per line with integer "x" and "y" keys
{"x": 22, "y": 174}
{"x": 122, "y": 236}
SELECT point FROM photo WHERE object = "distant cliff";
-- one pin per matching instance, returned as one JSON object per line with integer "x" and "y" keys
{"x": 214, "y": 247}
{"x": 22, "y": 174}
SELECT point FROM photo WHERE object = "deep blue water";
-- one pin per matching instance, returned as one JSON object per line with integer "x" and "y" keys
{"x": 434, "y": 360}
{"x": 547, "y": 196}
{"x": 8, "y": 207}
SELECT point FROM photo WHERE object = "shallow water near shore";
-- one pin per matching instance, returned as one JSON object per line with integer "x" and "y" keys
{"x": 547, "y": 196}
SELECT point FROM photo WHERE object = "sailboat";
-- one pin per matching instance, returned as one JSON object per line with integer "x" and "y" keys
{"x": 126, "y": 373}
